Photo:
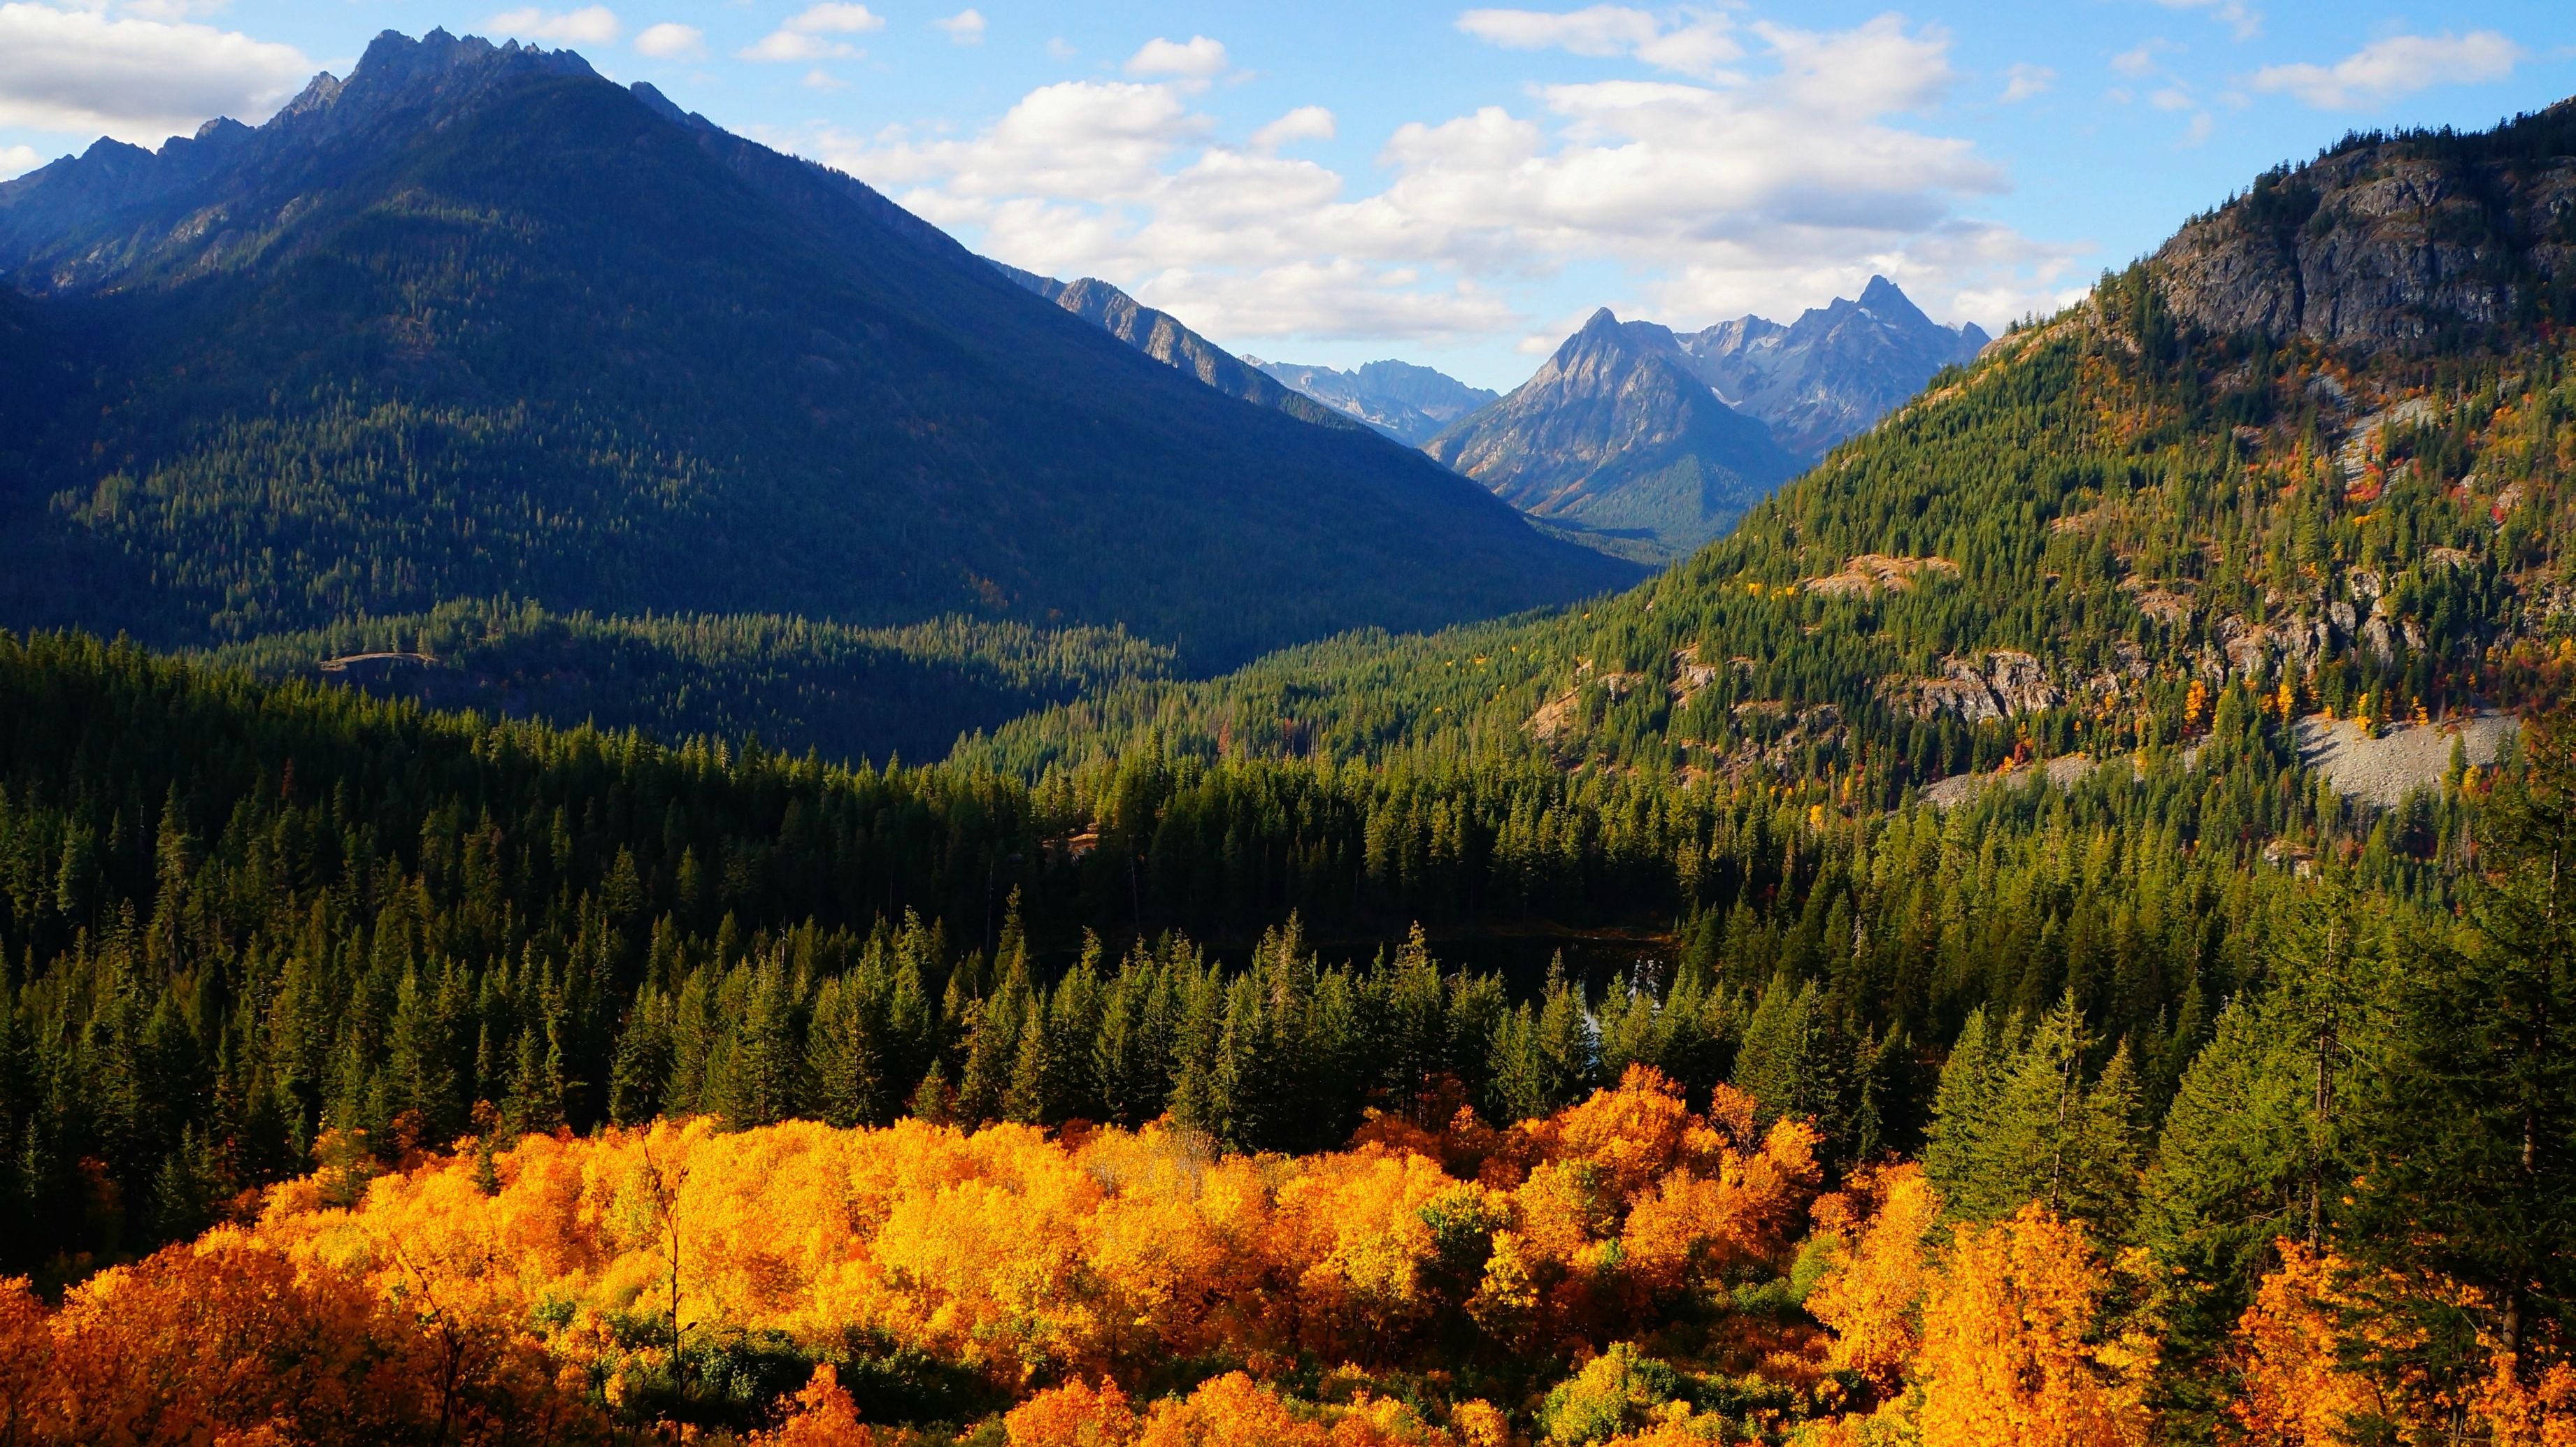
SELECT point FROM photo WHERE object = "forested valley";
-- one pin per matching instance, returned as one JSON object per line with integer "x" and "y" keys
{"x": 495, "y": 1075}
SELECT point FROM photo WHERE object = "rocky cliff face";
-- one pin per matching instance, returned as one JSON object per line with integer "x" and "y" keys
{"x": 2392, "y": 240}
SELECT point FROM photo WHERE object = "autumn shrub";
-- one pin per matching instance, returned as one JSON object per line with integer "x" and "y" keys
{"x": 2297, "y": 1389}
{"x": 227, "y": 1339}
{"x": 1073, "y": 1415}
{"x": 1615, "y": 1391}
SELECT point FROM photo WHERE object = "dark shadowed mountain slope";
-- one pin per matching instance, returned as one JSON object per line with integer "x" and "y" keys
{"x": 1614, "y": 435}
{"x": 479, "y": 323}
{"x": 1408, "y": 403}
{"x": 1835, "y": 370}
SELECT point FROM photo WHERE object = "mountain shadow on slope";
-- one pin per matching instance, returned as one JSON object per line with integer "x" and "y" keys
{"x": 476, "y": 322}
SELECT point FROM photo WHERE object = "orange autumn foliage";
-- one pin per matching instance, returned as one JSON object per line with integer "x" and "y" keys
{"x": 2533, "y": 1407}
{"x": 2012, "y": 1352}
{"x": 2297, "y": 1391}
{"x": 1630, "y": 1197}
{"x": 1073, "y": 1415}
{"x": 1027, "y": 1257}
{"x": 824, "y": 1416}
{"x": 1227, "y": 1410}
{"x": 2316, "y": 1319}
{"x": 1872, "y": 1301}
{"x": 26, "y": 1360}
{"x": 224, "y": 1341}
{"x": 543, "y": 1289}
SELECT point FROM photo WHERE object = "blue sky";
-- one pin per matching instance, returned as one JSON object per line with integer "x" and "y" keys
{"x": 1458, "y": 185}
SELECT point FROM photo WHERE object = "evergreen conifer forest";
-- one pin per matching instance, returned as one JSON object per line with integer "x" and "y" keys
{"x": 1931, "y": 969}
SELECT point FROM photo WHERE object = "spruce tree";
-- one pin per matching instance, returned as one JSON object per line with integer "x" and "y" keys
{"x": 842, "y": 1057}
{"x": 1964, "y": 1112}
{"x": 643, "y": 1060}
{"x": 767, "y": 1080}
{"x": 993, "y": 1041}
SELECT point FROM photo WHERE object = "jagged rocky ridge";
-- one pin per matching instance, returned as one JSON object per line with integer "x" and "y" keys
{"x": 1160, "y": 335}
{"x": 1835, "y": 370}
{"x": 1639, "y": 436}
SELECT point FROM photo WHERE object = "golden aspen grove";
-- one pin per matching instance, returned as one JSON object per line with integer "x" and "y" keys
{"x": 1110, "y": 1286}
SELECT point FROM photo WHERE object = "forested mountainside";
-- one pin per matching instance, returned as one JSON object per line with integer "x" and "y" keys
{"x": 1835, "y": 370}
{"x": 851, "y": 693}
{"x": 1613, "y": 435}
{"x": 424, "y": 337}
{"x": 1408, "y": 403}
{"x": 193, "y": 852}
{"x": 2055, "y": 551}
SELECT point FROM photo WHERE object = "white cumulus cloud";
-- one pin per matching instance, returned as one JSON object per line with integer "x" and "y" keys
{"x": 1764, "y": 191}
{"x": 810, "y": 34}
{"x": 966, "y": 27}
{"x": 137, "y": 80}
{"x": 2026, "y": 80}
{"x": 172, "y": 9}
{"x": 671, "y": 40}
{"x": 2245, "y": 23}
{"x": 1199, "y": 58}
{"x": 2398, "y": 65}
{"x": 1596, "y": 30}
{"x": 590, "y": 25}
{"x": 1691, "y": 43}
{"x": 1305, "y": 123}
{"x": 18, "y": 160}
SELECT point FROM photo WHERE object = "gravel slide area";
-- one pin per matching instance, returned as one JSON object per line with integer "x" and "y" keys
{"x": 2404, "y": 757}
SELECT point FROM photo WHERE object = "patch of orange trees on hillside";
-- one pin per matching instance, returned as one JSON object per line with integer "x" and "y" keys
{"x": 1114, "y": 1288}
{"x": 1093, "y": 1253}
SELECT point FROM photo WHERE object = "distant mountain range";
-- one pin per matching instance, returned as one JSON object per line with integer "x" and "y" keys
{"x": 1615, "y": 436}
{"x": 1406, "y": 402}
{"x": 476, "y": 322}
{"x": 1634, "y": 440}
{"x": 1403, "y": 401}
{"x": 1651, "y": 444}
{"x": 1835, "y": 370}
